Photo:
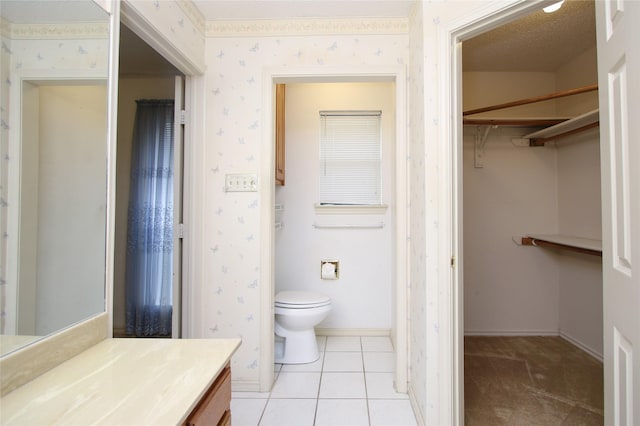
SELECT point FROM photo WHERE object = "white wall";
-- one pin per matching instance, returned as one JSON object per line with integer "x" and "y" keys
{"x": 578, "y": 72}
{"x": 509, "y": 289}
{"x": 579, "y": 212}
{"x": 129, "y": 90}
{"x": 366, "y": 256}
{"x": 234, "y": 120}
{"x": 417, "y": 291}
{"x": 481, "y": 89}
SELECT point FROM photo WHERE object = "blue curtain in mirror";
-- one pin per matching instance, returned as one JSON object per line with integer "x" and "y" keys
{"x": 149, "y": 270}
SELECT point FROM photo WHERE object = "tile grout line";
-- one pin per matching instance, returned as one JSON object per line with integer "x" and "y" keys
{"x": 366, "y": 389}
{"x": 324, "y": 355}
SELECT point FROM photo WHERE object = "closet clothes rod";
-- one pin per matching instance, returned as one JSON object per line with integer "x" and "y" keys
{"x": 544, "y": 242}
{"x": 369, "y": 226}
{"x": 535, "y": 99}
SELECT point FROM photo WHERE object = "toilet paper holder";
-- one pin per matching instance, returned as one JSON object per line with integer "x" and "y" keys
{"x": 329, "y": 269}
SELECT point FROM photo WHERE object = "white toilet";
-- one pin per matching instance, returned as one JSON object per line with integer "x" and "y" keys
{"x": 297, "y": 313}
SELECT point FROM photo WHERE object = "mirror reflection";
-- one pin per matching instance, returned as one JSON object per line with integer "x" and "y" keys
{"x": 54, "y": 67}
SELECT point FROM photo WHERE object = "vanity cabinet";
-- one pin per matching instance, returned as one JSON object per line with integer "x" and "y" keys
{"x": 131, "y": 382}
{"x": 215, "y": 406}
{"x": 280, "y": 132}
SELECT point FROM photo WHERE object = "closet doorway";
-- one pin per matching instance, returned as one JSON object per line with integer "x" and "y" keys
{"x": 145, "y": 75}
{"x": 532, "y": 315}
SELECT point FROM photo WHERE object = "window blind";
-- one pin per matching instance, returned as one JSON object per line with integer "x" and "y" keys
{"x": 350, "y": 158}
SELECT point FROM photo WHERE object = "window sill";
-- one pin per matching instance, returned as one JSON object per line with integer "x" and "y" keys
{"x": 355, "y": 209}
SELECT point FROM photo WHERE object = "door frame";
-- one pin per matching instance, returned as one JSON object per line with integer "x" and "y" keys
{"x": 271, "y": 76}
{"x": 451, "y": 280}
{"x": 193, "y": 166}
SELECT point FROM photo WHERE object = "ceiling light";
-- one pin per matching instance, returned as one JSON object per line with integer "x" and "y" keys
{"x": 552, "y": 8}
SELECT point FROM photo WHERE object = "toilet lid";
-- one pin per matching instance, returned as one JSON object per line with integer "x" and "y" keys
{"x": 301, "y": 299}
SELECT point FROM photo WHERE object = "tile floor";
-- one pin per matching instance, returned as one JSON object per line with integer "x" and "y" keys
{"x": 351, "y": 385}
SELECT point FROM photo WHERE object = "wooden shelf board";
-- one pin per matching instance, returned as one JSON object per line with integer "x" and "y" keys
{"x": 514, "y": 121}
{"x": 566, "y": 126}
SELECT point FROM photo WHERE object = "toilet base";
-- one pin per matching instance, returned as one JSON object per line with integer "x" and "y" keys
{"x": 299, "y": 347}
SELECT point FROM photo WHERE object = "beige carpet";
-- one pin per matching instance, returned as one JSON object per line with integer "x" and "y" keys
{"x": 531, "y": 381}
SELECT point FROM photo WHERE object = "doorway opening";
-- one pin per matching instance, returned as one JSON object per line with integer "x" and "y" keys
{"x": 519, "y": 298}
{"x": 397, "y": 209}
{"x": 145, "y": 75}
{"x": 355, "y": 237}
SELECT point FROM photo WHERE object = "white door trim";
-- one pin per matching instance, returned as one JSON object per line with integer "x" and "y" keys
{"x": 397, "y": 74}
{"x": 450, "y": 366}
{"x": 193, "y": 162}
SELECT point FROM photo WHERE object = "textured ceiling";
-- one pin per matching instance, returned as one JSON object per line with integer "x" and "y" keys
{"x": 537, "y": 42}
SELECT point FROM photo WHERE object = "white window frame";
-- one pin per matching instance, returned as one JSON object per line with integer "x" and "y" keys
{"x": 337, "y": 192}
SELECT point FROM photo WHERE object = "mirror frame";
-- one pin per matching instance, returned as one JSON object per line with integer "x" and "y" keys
{"x": 42, "y": 78}
{"x": 28, "y": 362}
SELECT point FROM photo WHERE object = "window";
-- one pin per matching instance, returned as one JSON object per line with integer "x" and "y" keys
{"x": 350, "y": 158}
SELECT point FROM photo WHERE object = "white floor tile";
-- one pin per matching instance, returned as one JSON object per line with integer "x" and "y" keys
{"x": 246, "y": 412}
{"x": 382, "y": 362}
{"x": 343, "y": 343}
{"x": 342, "y": 412}
{"x": 289, "y": 412}
{"x": 385, "y": 412}
{"x": 376, "y": 344}
{"x": 380, "y": 385}
{"x": 342, "y": 385}
{"x": 343, "y": 361}
{"x": 315, "y": 366}
{"x": 296, "y": 385}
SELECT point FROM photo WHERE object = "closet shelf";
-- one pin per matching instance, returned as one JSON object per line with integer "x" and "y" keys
{"x": 577, "y": 244}
{"x": 560, "y": 127}
{"x": 514, "y": 121}
{"x": 575, "y": 125}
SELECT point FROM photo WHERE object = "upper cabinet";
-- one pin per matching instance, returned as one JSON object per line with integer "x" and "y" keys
{"x": 280, "y": 130}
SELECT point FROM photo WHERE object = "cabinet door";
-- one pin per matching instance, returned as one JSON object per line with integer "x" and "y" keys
{"x": 280, "y": 134}
{"x": 214, "y": 406}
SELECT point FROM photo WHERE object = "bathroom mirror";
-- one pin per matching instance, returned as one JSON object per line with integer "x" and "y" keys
{"x": 53, "y": 174}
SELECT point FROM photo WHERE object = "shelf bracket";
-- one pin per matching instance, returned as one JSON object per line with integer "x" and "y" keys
{"x": 478, "y": 146}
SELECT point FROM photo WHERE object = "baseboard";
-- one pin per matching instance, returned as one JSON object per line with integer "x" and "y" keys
{"x": 245, "y": 386}
{"x": 119, "y": 332}
{"x": 511, "y": 333}
{"x": 576, "y": 342}
{"x": 372, "y": 332}
{"x": 416, "y": 407}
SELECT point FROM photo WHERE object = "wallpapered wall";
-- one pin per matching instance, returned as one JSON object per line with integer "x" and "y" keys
{"x": 38, "y": 51}
{"x": 417, "y": 273}
{"x": 234, "y": 122}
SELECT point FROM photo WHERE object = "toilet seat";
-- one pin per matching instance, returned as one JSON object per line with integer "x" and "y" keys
{"x": 301, "y": 300}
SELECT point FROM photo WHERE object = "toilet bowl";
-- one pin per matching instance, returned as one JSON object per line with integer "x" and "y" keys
{"x": 296, "y": 315}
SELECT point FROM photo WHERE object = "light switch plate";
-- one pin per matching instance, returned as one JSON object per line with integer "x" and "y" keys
{"x": 241, "y": 182}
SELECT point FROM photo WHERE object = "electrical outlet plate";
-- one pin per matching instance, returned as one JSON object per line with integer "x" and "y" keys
{"x": 241, "y": 182}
